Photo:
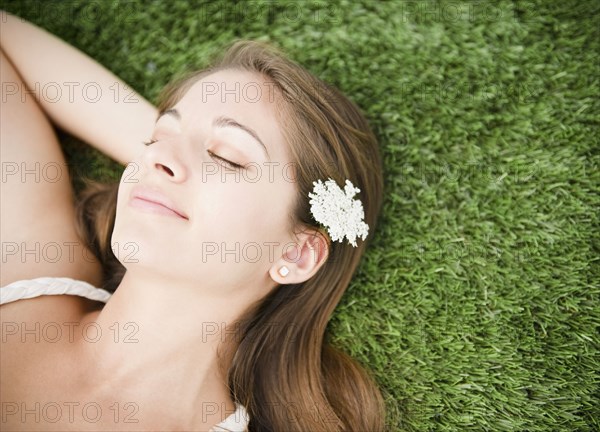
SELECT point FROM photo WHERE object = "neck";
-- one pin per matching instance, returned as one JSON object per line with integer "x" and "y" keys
{"x": 159, "y": 346}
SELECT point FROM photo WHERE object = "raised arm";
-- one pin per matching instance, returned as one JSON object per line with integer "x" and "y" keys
{"x": 77, "y": 93}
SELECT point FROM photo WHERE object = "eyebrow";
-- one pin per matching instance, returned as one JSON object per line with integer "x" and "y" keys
{"x": 222, "y": 121}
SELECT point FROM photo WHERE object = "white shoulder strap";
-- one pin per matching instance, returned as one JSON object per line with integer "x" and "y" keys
{"x": 30, "y": 288}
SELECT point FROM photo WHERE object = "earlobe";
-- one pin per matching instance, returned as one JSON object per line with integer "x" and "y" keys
{"x": 280, "y": 273}
{"x": 283, "y": 271}
{"x": 310, "y": 255}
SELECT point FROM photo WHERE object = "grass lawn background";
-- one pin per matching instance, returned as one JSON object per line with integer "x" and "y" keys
{"x": 476, "y": 306}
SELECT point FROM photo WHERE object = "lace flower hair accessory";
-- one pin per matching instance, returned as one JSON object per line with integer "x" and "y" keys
{"x": 338, "y": 211}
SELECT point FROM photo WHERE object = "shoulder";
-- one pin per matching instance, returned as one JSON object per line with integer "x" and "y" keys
{"x": 36, "y": 314}
{"x": 42, "y": 324}
{"x": 39, "y": 337}
{"x": 41, "y": 330}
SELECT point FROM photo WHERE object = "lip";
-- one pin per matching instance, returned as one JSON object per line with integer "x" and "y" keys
{"x": 152, "y": 200}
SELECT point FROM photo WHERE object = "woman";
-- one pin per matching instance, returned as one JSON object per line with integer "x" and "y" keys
{"x": 214, "y": 321}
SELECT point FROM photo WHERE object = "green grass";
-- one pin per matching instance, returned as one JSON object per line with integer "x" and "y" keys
{"x": 477, "y": 305}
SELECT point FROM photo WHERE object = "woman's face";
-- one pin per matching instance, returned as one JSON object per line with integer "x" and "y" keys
{"x": 229, "y": 225}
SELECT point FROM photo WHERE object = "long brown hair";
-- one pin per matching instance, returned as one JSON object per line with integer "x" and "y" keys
{"x": 281, "y": 367}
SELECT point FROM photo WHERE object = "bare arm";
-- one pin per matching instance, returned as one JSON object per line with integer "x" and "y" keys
{"x": 77, "y": 93}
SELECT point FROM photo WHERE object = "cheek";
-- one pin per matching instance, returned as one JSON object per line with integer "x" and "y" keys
{"x": 233, "y": 217}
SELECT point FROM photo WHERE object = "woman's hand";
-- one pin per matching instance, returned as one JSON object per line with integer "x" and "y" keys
{"x": 77, "y": 93}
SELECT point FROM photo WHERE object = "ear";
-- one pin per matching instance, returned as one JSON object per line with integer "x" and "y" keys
{"x": 302, "y": 259}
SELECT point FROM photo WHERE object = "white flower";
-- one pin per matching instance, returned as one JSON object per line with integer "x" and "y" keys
{"x": 337, "y": 211}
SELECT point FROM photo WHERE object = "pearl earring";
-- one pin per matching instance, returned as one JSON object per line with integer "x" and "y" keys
{"x": 283, "y": 271}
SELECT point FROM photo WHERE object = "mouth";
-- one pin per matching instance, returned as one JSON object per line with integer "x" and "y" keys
{"x": 153, "y": 201}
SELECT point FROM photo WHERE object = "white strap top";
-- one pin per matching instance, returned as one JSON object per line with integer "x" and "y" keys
{"x": 30, "y": 288}
{"x": 26, "y": 289}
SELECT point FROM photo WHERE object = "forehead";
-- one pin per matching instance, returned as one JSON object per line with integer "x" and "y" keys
{"x": 247, "y": 97}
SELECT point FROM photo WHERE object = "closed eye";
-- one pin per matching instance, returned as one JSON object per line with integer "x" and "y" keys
{"x": 228, "y": 163}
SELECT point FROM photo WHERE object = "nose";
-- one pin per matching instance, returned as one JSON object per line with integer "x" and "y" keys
{"x": 166, "y": 160}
